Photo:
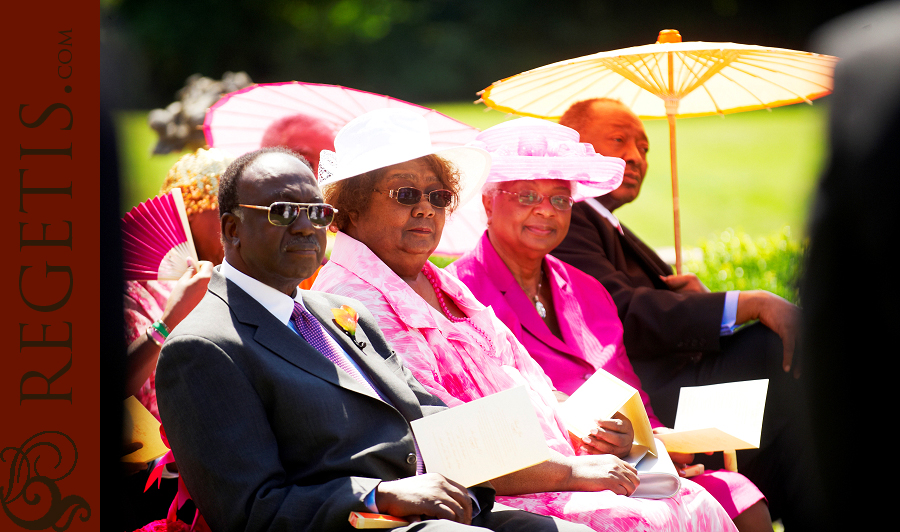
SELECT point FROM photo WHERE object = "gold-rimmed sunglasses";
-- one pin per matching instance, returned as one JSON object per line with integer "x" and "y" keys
{"x": 284, "y": 213}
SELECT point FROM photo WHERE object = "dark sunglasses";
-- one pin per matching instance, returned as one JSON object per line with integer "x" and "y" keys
{"x": 410, "y": 196}
{"x": 284, "y": 212}
{"x": 530, "y": 197}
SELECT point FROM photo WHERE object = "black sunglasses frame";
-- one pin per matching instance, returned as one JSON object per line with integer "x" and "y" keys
{"x": 395, "y": 194}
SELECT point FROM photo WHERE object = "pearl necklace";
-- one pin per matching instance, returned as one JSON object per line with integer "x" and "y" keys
{"x": 446, "y": 309}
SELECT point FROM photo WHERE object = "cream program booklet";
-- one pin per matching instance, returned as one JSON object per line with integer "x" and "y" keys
{"x": 718, "y": 417}
{"x": 483, "y": 439}
{"x": 600, "y": 397}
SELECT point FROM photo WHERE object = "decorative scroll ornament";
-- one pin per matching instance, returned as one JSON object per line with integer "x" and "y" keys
{"x": 34, "y": 470}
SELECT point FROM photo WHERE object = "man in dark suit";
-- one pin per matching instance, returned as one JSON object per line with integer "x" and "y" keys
{"x": 280, "y": 420}
{"x": 676, "y": 332}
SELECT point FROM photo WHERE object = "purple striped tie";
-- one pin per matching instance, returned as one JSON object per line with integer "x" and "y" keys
{"x": 312, "y": 331}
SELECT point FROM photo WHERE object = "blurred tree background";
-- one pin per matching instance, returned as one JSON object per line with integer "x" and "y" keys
{"x": 416, "y": 50}
{"x": 753, "y": 171}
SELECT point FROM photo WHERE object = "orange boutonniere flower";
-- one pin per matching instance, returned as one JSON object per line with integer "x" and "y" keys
{"x": 346, "y": 319}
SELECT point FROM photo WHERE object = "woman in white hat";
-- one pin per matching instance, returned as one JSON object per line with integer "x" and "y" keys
{"x": 565, "y": 318}
{"x": 394, "y": 192}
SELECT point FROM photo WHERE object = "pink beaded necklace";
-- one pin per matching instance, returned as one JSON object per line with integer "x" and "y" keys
{"x": 443, "y": 302}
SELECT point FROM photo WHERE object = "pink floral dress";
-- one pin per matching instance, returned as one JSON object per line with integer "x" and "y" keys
{"x": 591, "y": 340}
{"x": 459, "y": 362}
{"x": 145, "y": 302}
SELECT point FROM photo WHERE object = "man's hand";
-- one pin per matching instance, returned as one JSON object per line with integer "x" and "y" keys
{"x": 610, "y": 436}
{"x": 776, "y": 313}
{"x": 188, "y": 291}
{"x": 684, "y": 283}
{"x": 602, "y": 472}
{"x": 430, "y": 494}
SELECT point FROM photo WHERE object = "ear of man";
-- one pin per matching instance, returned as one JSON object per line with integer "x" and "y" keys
{"x": 231, "y": 230}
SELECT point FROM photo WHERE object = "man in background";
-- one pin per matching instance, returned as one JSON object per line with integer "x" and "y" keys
{"x": 677, "y": 333}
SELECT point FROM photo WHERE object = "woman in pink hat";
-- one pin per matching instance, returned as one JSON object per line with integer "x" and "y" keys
{"x": 565, "y": 319}
{"x": 393, "y": 192}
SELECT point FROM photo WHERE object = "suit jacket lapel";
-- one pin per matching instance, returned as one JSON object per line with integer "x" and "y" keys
{"x": 564, "y": 301}
{"x": 513, "y": 296}
{"x": 650, "y": 261}
{"x": 279, "y": 338}
{"x": 516, "y": 298}
{"x": 394, "y": 389}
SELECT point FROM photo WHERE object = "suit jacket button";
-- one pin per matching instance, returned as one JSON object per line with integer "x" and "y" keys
{"x": 411, "y": 458}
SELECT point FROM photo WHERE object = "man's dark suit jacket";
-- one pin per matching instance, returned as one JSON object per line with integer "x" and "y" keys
{"x": 265, "y": 431}
{"x": 657, "y": 321}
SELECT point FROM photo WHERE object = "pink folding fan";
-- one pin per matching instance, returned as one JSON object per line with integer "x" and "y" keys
{"x": 156, "y": 239}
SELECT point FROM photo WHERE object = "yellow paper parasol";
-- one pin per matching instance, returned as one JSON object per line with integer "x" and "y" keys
{"x": 670, "y": 79}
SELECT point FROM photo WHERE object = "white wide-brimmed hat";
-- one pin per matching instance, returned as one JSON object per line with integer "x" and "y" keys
{"x": 386, "y": 137}
{"x": 531, "y": 148}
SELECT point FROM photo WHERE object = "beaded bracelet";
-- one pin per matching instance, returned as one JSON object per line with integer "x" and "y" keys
{"x": 161, "y": 328}
{"x": 154, "y": 336}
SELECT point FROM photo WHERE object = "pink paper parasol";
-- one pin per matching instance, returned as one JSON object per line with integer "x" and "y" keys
{"x": 239, "y": 120}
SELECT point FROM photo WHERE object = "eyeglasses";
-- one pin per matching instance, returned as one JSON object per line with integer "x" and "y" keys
{"x": 284, "y": 213}
{"x": 410, "y": 196}
{"x": 530, "y": 197}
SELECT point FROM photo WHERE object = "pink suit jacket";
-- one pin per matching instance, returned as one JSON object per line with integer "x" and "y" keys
{"x": 590, "y": 325}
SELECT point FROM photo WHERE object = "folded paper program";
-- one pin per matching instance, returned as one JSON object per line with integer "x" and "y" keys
{"x": 600, "y": 397}
{"x": 718, "y": 417}
{"x": 483, "y": 439}
{"x": 139, "y": 425}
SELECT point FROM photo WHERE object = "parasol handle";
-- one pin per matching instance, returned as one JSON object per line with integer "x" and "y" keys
{"x": 671, "y": 110}
{"x": 730, "y": 458}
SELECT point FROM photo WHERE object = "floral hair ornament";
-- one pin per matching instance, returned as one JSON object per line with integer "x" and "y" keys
{"x": 346, "y": 318}
{"x": 197, "y": 175}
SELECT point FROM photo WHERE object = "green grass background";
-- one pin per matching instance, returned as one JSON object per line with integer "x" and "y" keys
{"x": 754, "y": 172}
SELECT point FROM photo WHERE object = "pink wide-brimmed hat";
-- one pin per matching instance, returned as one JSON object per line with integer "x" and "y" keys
{"x": 531, "y": 148}
{"x": 527, "y": 149}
